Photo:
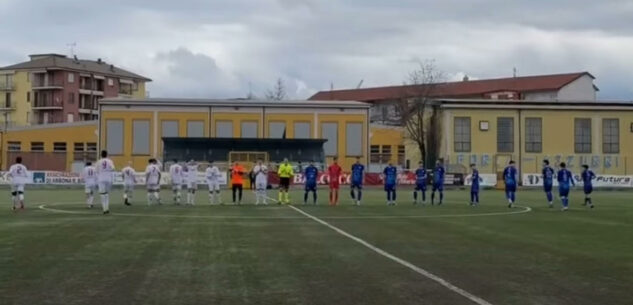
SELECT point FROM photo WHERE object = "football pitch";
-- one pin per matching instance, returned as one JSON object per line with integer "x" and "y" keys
{"x": 59, "y": 252}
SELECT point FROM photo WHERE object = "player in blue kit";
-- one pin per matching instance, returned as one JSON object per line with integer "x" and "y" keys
{"x": 311, "y": 174}
{"x": 587, "y": 176}
{"x": 391, "y": 177}
{"x": 565, "y": 178}
{"x": 438, "y": 181}
{"x": 548, "y": 182}
{"x": 420, "y": 183}
{"x": 511, "y": 179}
{"x": 474, "y": 186}
{"x": 356, "y": 190}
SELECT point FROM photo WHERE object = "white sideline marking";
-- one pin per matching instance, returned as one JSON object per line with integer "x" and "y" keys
{"x": 398, "y": 260}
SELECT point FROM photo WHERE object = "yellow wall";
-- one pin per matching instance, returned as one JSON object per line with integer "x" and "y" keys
{"x": 85, "y": 133}
{"x": 387, "y": 136}
{"x": 140, "y": 91}
{"x": 182, "y": 118}
{"x": 290, "y": 119}
{"x": 236, "y": 118}
{"x": 138, "y": 161}
{"x": 18, "y": 98}
{"x": 557, "y": 141}
{"x": 343, "y": 159}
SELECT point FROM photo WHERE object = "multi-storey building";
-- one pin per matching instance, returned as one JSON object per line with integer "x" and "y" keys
{"x": 389, "y": 141}
{"x": 52, "y": 88}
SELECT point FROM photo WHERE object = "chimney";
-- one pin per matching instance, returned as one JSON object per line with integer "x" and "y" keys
{"x": 112, "y": 68}
{"x": 99, "y": 61}
{"x": 466, "y": 78}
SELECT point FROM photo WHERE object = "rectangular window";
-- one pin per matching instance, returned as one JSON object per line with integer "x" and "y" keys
{"x": 401, "y": 155}
{"x": 354, "y": 139}
{"x": 91, "y": 146}
{"x": 37, "y": 146}
{"x": 385, "y": 157}
{"x": 610, "y": 136}
{"x": 248, "y": 130}
{"x": 276, "y": 130}
{"x": 224, "y": 129}
{"x": 79, "y": 146}
{"x": 7, "y": 100}
{"x": 71, "y": 77}
{"x": 461, "y": 130}
{"x": 505, "y": 135}
{"x": 114, "y": 137}
{"x": 533, "y": 135}
{"x": 59, "y": 146}
{"x": 329, "y": 131}
{"x": 374, "y": 154}
{"x": 582, "y": 136}
{"x": 140, "y": 137}
{"x": 28, "y": 96}
{"x": 169, "y": 129}
{"x": 110, "y": 82}
{"x": 302, "y": 130}
{"x": 195, "y": 129}
{"x": 71, "y": 97}
{"x": 14, "y": 146}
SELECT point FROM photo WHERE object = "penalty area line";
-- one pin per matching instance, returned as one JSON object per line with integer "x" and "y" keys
{"x": 398, "y": 260}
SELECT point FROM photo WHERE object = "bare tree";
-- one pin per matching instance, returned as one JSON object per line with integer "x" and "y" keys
{"x": 416, "y": 112}
{"x": 278, "y": 92}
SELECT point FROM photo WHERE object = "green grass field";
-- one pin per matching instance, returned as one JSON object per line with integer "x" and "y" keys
{"x": 205, "y": 254}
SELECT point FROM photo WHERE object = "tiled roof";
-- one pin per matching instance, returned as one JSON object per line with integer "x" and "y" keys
{"x": 462, "y": 89}
{"x": 60, "y": 61}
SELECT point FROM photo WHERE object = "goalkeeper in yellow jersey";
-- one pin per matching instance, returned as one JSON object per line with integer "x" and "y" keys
{"x": 285, "y": 173}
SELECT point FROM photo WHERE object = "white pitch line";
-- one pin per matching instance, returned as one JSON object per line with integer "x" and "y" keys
{"x": 400, "y": 261}
{"x": 524, "y": 210}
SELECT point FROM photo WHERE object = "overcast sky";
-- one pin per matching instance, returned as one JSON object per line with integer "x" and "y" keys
{"x": 221, "y": 48}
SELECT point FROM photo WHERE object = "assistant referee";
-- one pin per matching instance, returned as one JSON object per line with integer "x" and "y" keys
{"x": 285, "y": 173}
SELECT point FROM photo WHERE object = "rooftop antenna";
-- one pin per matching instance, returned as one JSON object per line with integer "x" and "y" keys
{"x": 331, "y": 90}
{"x": 360, "y": 84}
{"x": 72, "y": 46}
{"x": 250, "y": 95}
{"x": 514, "y": 72}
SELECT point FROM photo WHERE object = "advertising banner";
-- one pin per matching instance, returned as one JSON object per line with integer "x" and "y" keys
{"x": 66, "y": 178}
{"x": 600, "y": 181}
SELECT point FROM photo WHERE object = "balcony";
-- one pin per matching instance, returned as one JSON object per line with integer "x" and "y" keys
{"x": 7, "y": 87}
{"x": 47, "y": 104}
{"x": 7, "y": 106}
{"x": 90, "y": 107}
{"x": 39, "y": 84}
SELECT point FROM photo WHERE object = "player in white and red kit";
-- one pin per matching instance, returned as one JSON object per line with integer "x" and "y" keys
{"x": 176, "y": 173}
{"x": 89, "y": 175}
{"x": 192, "y": 182}
{"x": 105, "y": 175}
{"x": 19, "y": 176}
{"x": 213, "y": 181}
{"x": 261, "y": 182}
{"x": 129, "y": 181}
{"x": 152, "y": 180}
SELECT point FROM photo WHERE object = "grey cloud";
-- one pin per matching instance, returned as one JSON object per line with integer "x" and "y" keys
{"x": 217, "y": 48}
